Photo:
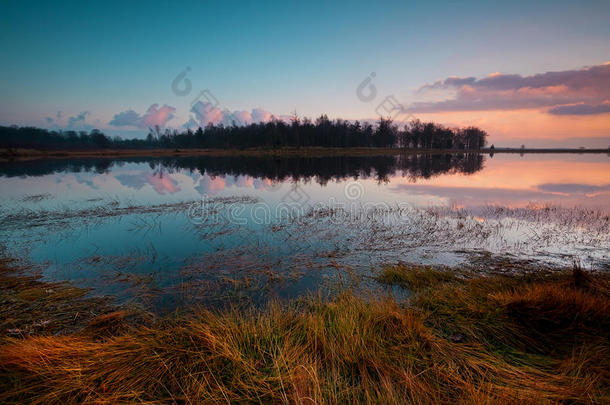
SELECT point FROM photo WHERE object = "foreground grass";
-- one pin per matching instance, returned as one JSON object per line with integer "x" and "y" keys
{"x": 542, "y": 339}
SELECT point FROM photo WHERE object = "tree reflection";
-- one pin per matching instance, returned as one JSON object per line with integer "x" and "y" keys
{"x": 319, "y": 169}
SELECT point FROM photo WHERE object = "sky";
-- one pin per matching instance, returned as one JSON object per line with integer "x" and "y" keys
{"x": 533, "y": 73}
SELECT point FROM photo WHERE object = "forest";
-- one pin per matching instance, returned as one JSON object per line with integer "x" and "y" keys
{"x": 275, "y": 134}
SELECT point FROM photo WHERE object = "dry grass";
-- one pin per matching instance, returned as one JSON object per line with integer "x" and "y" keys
{"x": 477, "y": 340}
{"x": 416, "y": 277}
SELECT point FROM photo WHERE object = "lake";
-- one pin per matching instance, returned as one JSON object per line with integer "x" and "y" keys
{"x": 174, "y": 231}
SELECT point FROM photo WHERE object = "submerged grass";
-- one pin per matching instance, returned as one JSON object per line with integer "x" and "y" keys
{"x": 31, "y": 306}
{"x": 497, "y": 339}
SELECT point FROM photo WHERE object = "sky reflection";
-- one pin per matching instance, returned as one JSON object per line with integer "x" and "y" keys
{"x": 509, "y": 180}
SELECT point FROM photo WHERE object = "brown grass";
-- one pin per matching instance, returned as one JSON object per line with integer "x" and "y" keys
{"x": 477, "y": 340}
{"x": 416, "y": 277}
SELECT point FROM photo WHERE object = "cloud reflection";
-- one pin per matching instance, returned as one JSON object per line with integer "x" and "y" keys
{"x": 160, "y": 182}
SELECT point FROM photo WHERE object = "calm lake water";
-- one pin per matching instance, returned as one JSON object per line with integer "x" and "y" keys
{"x": 175, "y": 231}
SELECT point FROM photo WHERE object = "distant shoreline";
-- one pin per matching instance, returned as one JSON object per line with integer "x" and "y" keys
{"x": 27, "y": 154}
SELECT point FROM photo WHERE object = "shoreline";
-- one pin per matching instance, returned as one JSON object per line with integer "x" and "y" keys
{"x": 29, "y": 154}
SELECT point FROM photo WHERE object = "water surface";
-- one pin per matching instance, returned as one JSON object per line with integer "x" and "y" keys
{"x": 167, "y": 231}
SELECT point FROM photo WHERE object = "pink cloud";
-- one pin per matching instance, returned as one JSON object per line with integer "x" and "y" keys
{"x": 157, "y": 116}
{"x": 162, "y": 183}
{"x": 209, "y": 184}
{"x": 260, "y": 115}
{"x": 153, "y": 116}
{"x": 205, "y": 113}
{"x": 589, "y": 86}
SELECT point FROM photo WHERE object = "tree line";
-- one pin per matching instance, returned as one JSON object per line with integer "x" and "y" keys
{"x": 298, "y": 133}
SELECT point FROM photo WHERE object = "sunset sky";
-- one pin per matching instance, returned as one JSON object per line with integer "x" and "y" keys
{"x": 535, "y": 74}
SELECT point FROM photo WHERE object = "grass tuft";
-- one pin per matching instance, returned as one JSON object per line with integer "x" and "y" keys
{"x": 456, "y": 340}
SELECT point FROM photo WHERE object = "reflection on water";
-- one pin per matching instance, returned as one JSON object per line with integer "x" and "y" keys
{"x": 169, "y": 231}
{"x": 323, "y": 169}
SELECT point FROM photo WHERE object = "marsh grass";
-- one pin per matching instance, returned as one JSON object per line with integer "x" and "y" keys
{"x": 30, "y": 306}
{"x": 495, "y": 339}
{"x": 65, "y": 216}
{"x": 553, "y": 320}
{"x": 416, "y": 277}
{"x": 35, "y": 198}
{"x": 549, "y": 233}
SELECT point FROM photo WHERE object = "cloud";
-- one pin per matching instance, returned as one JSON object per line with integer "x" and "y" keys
{"x": 70, "y": 123}
{"x": 205, "y": 113}
{"x": 133, "y": 181}
{"x": 474, "y": 197}
{"x": 75, "y": 123}
{"x": 589, "y": 86}
{"x": 580, "y": 109}
{"x": 191, "y": 124}
{"x": 153, "y": 116}
{"x": 241, "y": 116}
{"x": 447, "y": 83}
{"x": 210, "y": 184}
{"x": 157, "y": 116}
{"x": 78, "y": 121}
{"x": 260, "y": 115}
{"x": 202, "y": 114}
{"x": 126, "y": 118}
{"x": 573, "y": 188}
{"x": 160, "y": 182}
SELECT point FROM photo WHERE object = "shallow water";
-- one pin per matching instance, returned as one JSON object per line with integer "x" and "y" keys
{"x": 172, "y": 231}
